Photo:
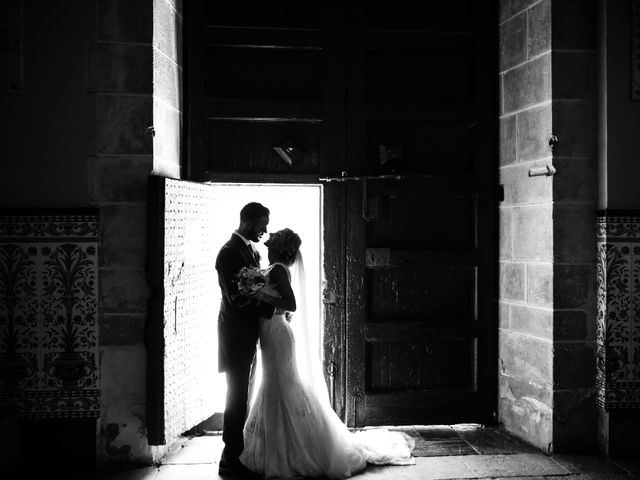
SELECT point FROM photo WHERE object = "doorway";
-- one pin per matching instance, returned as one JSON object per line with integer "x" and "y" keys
{"x": 295, "y": 206}
{"x": 397, "y": 113}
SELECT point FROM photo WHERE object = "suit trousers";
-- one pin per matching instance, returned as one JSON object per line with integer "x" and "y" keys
{"x": 235, "y": 412}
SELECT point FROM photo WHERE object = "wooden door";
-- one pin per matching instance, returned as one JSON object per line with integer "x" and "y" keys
{"x": 410, "y": 264}
{"x": 181, "y": 325}
{"x": 421, "y": 255}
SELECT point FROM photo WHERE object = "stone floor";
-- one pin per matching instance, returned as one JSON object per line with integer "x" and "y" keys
{"x": 442, "y": 452}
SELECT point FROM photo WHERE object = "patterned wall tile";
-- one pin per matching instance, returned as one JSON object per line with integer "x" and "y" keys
{"x": 618, "y": 329}
{"x": 49, "y": 314}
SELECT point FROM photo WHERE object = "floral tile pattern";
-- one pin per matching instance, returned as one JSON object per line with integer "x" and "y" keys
{"x": 618, "y": 329}
{"x": 49, "y": 314}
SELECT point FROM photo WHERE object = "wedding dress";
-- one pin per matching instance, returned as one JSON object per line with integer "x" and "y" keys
{"x": 291, "y": 429}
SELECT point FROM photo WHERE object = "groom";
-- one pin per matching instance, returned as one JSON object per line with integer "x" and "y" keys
{"x": 238, "y": 331}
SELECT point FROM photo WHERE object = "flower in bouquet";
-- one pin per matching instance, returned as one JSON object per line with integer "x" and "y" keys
{"x": 252, "y": 280}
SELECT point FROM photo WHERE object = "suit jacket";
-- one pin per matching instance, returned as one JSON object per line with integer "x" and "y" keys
{"x": 238, "y": 317}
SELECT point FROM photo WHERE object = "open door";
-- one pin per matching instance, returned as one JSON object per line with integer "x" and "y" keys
{"x": 182, "y": 319}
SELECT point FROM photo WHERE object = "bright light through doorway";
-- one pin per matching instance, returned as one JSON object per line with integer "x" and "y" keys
{"x": 298, "y": 207}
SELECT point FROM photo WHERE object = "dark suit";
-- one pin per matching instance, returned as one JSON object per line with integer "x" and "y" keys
{"x": 237, "y": 338}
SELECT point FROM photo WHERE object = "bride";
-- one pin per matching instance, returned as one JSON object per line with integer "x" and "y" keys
{"x": 291, "y": 429}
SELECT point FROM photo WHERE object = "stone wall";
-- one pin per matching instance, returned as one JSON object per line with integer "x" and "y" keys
{"x": 547, "y": 236}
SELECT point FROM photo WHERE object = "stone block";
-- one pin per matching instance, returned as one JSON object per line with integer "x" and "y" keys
{"x": 119, "y": 68}
{"x": 534, "y": 127}
{"x": 570, "y": 325}
{"x": 123, "y": 422}
{"x": 533, "y": 233}
{"x": 539, "y": 29}
{"x": 576, "y": 179}
{"x": 532, "y": 321}
{"x": 574, "y": 123}
{"x": 574, "y": 365}
{"x": 524, "y": 411}
{"x": 540, "y": 284}
{"x": 527, "y": 84}
{"x": 508, "y": 8}
{"x": 123, "y": 373}
{"x": 513, "y": 41}
{"x": 526, "y": 358}
{"x": 504, "y": 315}
{"x": 506, "y": 234}
{"x": 123, "y": 240}
{"x": 118, "y": 179}
{"x": 574, "y": 233}
{"x": 121, "y": 330}
{"x": 122, "y": 124}
{"x": 575, "y": 423}
{"x": 167, "y": 80}
{"x": 507, "y": 140}
{"x": 512, "y": 281}
{"x": 574, "y": 75}
{"x": 574, "y": 286}
{"x": 125, "y": 21}
{"x": 574, "y": 24}
{"x": 167, "y": 141}
{"x": 123, "y": 290}
{"x": 520, "y": 188}
{"x": 167, "y": 30}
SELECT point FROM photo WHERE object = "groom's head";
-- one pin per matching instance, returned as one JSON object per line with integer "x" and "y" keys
{"x": 254, "y": 218}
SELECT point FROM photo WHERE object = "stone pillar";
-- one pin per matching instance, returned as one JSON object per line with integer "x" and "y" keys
{"x": 547, "y": 239}
{"x": 526, "y": 223}
{"x": 574, "y": 79}
{"x": 119, "y": 73}
{"x": 167, "y": 87}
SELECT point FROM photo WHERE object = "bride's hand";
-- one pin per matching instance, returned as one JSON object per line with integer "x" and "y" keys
{"x": 264, "y": 297}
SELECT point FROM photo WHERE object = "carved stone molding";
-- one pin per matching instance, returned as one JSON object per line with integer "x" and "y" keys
{"x": 618, "y": 328}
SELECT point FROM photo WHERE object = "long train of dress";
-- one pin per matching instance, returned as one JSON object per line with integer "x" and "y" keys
{"x": 291, "y": 429}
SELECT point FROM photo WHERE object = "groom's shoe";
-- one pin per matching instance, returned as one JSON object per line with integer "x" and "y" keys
{"x": 233, "y": 467}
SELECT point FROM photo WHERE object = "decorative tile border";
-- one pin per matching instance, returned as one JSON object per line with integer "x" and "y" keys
{"x": 618, "y": 328}
{"x": 49, "y": 313}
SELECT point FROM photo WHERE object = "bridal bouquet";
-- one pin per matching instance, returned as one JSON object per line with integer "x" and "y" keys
{"x": 252, "y": 280}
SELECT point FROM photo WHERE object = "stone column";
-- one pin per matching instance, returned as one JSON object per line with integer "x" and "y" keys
{"x": 547, "y": 239}
{"x": 526, "y": 223}
{"x": 574, "y": 79}
{"x": 119, "y": 72}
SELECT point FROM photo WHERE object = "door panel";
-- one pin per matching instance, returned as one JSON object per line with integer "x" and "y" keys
{"x": 260, "y": 78}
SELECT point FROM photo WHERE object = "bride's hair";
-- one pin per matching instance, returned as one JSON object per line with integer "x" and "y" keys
{"x": 284, "y": 244}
